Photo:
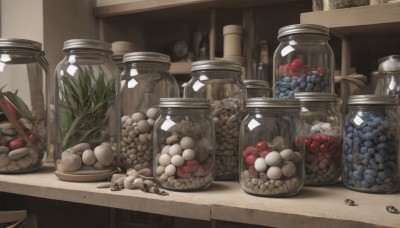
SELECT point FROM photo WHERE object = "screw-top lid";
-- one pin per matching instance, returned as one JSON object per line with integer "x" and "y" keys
{"x": 184, "y": 103}
{"x": 256, "y": 84}
{"x": 262, "y": 102}
{"x": 216, "y": 65}
{"x": 389, "y": 63}
{"x": 372, "y": 100}
{"x": 303, "y": 29}
{"x": 146, "y": 57}
{"x": 315, "y": 96}
{"x": 20, "y": 43}
{"x": 86, "y": 44}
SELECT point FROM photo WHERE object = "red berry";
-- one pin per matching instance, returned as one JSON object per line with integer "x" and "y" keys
{"x": 253, "y": 172}
{"x": 326, "y": 162}
{"x": 251, "y": 159}
{"x": 323, "y": 147}
{"x": 308, "y": 141}
{"x": 314, "y": 147}
{"x": 261, "y": 146}
{"x": 296, "y": 63}
{"x": 264, "y": 153}
{"x": 33, "y": 138}
{"x": 183, "y": 172}
{"x": 249, "y": 150}
{"x": 193, "y": 165}
{"x": 321, "y": 70}
{"x": 318, "y": 138}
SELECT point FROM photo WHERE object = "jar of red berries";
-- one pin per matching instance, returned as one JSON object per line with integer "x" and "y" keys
{"x": 303, "y": 61}
{"x": 322, "y": 137}
{"x": 272, "y": 159}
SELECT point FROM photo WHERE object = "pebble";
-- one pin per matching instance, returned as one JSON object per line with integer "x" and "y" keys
{"x": 88, "y": 157}
{"x": 288, "y": 169}
{"x": 18, "y": 153}
{"x": 152, "y": 113}
{"x": 104, "y": 155}
{"x": 71, "y": 163}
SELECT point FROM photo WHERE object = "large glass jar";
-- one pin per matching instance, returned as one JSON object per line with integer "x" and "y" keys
{"x": 220, "y": 82}
{"x": 303, "y": 61}
{"x": 257, "y": 88}
{"x": 371, "y": 145}
{"x": 184, "y": 145}
{"x": 23, "y": 105}
{"x": 87, "y": 112}
{"x": 322, "y": 137}
{"x": 144, "y": 81}
{"x": 272, "y": 152}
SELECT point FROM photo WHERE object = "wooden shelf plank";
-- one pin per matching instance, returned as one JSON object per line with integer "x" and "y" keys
{"x": 180, "y": 68}
{"x": 138, "y": 6}
{"x": 363, "y": 20}
{"x": 225, "y": 200}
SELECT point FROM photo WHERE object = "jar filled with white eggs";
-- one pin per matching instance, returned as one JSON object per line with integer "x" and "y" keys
{"x": 272, "y": 152}
{"x": 322, "y": 138}
{"x": 184, "y": 145}
{"x": 144, "y": 81}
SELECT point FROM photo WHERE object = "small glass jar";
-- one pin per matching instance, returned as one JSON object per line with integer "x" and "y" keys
{"x": 257, "y": 88}
{"x": 87, "y": 109}
{"x": 371, "y": 145}
{"x": 303, "y": 61}
{"x": 23, "y": 105}
{"x": 322, "y": 137}
{"x": 388, "y": 76}
{"x": 271, "y": 162}
{"x": 144, "y": 81}
{"x": 220, "y": 82}
{"x": 184, "y": 145}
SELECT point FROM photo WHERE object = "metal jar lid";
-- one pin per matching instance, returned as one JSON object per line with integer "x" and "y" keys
{"x": 372, "y": 100}
{"x": 86, "y": 44}
{"x": 216, "y": 65}
{"x": 146, "y": 57}
{"x": 315, "y": 96}
{"x": 389, "y": 63}
{"x": 174, "y": 102}
{"x": 256, "y": 84}
{"x": 262, "y": 102}
{"x": 303, "y": 29}
{"x": 20, "y": 43}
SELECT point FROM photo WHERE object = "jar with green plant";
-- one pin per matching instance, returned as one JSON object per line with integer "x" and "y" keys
{"x": 86, "y": 112}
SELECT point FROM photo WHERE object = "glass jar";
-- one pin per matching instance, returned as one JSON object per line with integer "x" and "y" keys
{"x": 184, "y": 145}
{"x": 220, "y": 82}
{"x": 144, "y": 81}
{"x": 87, "y": 109}
{"x": 322, "y": 137}
{"x": 271, "y": 162}
{"x": 257, "y": 88}
{"x": 371, "y": 145}
{"x": 23, "y": 105}
{"x": 303, "y": 61}
{"x": 388, "y": 76}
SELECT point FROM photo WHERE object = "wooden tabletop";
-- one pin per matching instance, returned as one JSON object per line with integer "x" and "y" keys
{"x": 224, "y": 200}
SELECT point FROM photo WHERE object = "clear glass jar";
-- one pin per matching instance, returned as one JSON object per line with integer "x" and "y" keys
{"x": 23, "y": 105}
{"x": 220, "y": 82}
{"x": 271, "y": 162}
{"x": 257, "y": 88}
{"x": 144, "y": 81}
{"x": 303, "y": 61}
{"x": 322, "y": 137}
{"x": 184, "y": 145}
{"x": 388, "y": 76}
{"x": 371, "y": 145}
{"x": 87, "y": 109}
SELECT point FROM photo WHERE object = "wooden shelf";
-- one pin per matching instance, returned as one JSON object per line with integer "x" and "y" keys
{"x": 357, "y": 21}
{"x": 225, "y": 200}
{"x": 139, "y": 6}
{"x": 180, "y": 68}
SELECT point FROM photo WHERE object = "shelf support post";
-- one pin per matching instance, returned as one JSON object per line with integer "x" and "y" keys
{"x": 345, "y": 71}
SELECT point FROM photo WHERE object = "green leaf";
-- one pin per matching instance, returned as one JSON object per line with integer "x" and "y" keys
{"x": 19, "y": 104}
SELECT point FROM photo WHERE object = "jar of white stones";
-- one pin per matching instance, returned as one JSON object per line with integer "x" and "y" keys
{"x": 184, "y": 145}
{"x": 272, "y": 152}
{"x": 303, "y": 61}
{"x": 23, "y": 105}
{"x": 220, "y": 82}
{"x": 87, "y": 112}
{"x": 322, "y": 137}
{"x": 144, "y": 81}
{"x": 371, "y": 145}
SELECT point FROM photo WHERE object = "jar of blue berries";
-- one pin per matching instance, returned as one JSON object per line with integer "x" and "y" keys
{"x": 371, "y": 144}
{"x": 303, "y": 61}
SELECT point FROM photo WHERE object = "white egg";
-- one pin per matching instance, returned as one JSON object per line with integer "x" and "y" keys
{"x": 164, "y": 160}
{"x": 175, "y": 149}
{"x": 177, "y": 160}
{"x": 287, "y": 154}
{"x": 288, "y": 169}
{"x": 170, "y": 170}
{"x": 165, "y": 149}
{"x": 260, "y": 165}
{"x": 274, "y": 173}
{"x": 188, "y": 154}
{"x": 160, "y": 170}
{"x": 187, "y": 143}
{"x": 297, "y": 157}
{"x": 273, "y": 158}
